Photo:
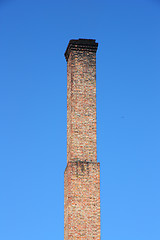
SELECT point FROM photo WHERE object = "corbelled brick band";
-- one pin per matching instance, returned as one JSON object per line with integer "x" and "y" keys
{"x": 82, "y": 174}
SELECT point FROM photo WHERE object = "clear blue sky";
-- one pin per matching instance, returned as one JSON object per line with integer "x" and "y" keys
{"x": 33, "y": 37}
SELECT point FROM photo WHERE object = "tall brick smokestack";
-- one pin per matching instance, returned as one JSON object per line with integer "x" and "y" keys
{"x": 82, "y": 174}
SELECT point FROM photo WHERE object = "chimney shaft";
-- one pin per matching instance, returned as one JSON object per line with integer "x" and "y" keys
{"x": 82, "y": 174}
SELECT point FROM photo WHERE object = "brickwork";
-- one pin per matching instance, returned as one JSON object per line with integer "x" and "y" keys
{"x": 82, "y": 174}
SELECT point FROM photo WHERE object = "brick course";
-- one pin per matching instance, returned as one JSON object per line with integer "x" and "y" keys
{"x": 82, "y": 174}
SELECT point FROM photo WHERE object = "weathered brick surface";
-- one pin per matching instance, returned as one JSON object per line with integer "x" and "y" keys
{"x": 82, "y": 174}
{"x": 82, "y": 201}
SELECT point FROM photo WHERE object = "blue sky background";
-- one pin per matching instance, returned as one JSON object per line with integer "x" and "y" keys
{"x": 33, "y": 37}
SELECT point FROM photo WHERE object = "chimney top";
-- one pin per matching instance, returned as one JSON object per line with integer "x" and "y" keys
{"x": 81, "y": 44}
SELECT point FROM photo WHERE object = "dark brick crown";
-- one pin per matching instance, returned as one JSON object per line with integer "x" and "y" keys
{"x": 81, "y": 44}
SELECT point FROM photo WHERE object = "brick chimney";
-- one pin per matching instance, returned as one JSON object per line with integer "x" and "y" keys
{"x": 82, "y": 174}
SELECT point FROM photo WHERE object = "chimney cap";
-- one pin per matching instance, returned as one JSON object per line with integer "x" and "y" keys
{"x": 81, "y": 44}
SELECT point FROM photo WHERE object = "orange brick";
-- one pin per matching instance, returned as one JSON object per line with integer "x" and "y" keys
{"x": 82, "y": 174}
